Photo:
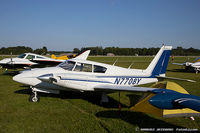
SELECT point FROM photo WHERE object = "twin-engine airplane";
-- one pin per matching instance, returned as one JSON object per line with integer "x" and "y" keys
{"x": 191, "y": 66}
{"x": 28, "y": 60}
{"x": 79, "y": 74}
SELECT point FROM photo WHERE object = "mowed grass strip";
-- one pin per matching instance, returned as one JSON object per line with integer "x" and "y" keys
{"x": 82, "y": 112}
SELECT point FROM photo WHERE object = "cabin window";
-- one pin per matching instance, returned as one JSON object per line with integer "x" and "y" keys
{"x": 30, "y": 57}
{"x": 81, "y": 67}
{"x": 99, "y": 69}
{"x": 87, "y": 68}
{"x": 22, "y": 56}
{"x": 67, "y": 65}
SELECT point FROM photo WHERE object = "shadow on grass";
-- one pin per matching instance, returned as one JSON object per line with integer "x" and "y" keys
{"x": 133, "y": 98}
{"x": 181, "y": 71}
{"x": 11, "y": 73}
{"x": 91, "y": 97}
{"x": 136, "y": 118}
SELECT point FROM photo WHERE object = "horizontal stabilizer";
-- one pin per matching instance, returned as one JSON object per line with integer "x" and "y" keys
{"x": 162, "y": 77}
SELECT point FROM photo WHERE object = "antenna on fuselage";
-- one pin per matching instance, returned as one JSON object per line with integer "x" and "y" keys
{"x": 130, "y": 65}
{"x": 115, "y": 62}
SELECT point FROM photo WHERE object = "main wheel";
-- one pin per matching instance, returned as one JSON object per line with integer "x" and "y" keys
{"x": 34, "y": 98}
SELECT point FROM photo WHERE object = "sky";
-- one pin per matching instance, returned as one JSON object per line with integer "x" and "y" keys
{"x": 63, "y": 25}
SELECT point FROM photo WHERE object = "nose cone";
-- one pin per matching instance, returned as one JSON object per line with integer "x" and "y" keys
{"x": 36, "y": 76}
{"x": 26, "y": 78}
{"x": 19, "y": 78}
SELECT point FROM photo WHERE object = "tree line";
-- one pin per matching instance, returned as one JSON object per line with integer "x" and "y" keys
{"x": 179, "y": 51}
{"x": 22, "y": 49}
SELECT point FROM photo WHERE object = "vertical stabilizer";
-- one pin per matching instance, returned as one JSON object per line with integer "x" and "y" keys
{"x": 159, "y": 64}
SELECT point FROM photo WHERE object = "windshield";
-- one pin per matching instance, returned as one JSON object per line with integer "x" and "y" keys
{"x": 67, "y": 65}
{"x": 22, "y": 56}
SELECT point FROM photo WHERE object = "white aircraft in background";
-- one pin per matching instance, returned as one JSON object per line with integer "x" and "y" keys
{"x": 191, "y": 66}
{"x": 28, "y": 60}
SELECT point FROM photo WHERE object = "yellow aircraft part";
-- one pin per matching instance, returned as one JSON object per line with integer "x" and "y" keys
{"x": 144, "y": 106}
{"x": 60, "y": 57}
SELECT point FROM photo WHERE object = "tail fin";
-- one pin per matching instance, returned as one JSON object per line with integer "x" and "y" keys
{"x": 159, "y": 64}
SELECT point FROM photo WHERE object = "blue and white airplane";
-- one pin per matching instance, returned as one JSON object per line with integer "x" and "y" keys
{"x": 79, "y": 74}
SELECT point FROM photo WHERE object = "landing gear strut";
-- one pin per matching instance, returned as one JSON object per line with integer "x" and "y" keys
{"x": 34, "y": 97}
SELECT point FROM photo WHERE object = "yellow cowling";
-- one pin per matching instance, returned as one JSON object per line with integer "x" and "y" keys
{"x": 144, "y": 106}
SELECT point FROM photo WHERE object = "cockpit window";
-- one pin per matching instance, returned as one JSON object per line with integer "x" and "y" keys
{"x": 81, "y": 67}
{"x": 67, "y": 65}
{"x": 99, "y": 69}
{"x": 22, "y": 56}
{"x": 30, "y": 57}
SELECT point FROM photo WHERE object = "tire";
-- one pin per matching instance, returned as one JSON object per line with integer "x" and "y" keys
{"x": 34, "y": 99}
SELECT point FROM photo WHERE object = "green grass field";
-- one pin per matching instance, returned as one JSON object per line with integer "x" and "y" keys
{"x": 81, "y": 112}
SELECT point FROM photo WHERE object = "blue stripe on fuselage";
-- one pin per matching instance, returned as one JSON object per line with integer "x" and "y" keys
{"x": 86, "y": 80}
{"x": 130, "y": 80}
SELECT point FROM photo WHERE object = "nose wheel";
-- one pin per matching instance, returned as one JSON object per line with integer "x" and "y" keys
{"x": 34, "y": 97}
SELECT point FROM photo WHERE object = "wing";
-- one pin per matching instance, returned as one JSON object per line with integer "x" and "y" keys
{"x": 123, "y": 88}
{"x": 180, "y": 64}
{"x": 173, "y": 78}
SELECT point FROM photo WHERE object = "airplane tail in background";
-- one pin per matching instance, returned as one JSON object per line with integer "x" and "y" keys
{"x": 159, "y": 64}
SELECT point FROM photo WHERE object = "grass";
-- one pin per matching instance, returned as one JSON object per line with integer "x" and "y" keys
{"x": 81, "y": 112}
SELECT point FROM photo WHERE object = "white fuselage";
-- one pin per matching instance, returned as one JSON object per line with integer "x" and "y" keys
{"x": 17, "y": 61}
{"x": 84, "y": 81}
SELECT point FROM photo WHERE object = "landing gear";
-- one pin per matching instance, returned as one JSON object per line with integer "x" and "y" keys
{"x": 34, "y": 97}
{"x": 197, "y": 69}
